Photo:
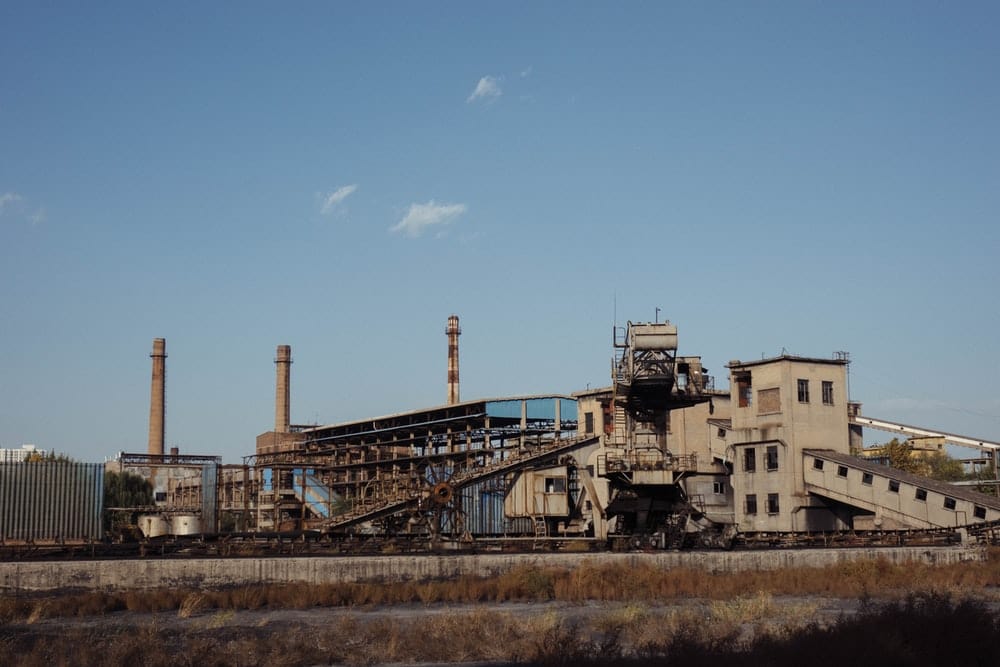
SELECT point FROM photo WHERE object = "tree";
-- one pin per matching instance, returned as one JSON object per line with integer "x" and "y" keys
{"x": 900, "y": 456}
{"x": 39, "y": 457}
{"x": 127, "y": 490}
{"x": 944, "y": 468}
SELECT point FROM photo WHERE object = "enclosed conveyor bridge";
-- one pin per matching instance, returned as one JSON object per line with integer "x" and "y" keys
{"x": 863, "y": 487}
{"x": 916, "y": 431}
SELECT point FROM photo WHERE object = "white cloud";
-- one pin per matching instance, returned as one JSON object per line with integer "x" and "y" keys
{"x": 38, "y": 217}
{"x": 331, "y": 201}
{"x": 488, "y": 88}
{"x": 421, "y": 216}
{"x": 8, "y": 198}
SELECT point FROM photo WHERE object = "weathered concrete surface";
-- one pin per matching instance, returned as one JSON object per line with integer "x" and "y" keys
{"x": 211, "y": 573}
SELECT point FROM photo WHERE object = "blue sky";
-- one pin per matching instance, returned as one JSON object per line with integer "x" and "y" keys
{"x": 341, "y": 177}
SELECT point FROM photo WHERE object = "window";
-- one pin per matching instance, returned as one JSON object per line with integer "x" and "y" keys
{"x": 866, "y": 478}
{"x": 803, "y": 391}
{"x": 841, "y": 471}
{"x": 827, "y": 392}
{"x": 772, "y": 457}
{"x": 588, "y": 422}
{"x": 752, "y": 503}
{"x": 949, "y": 503}
{"x": 921, "y": 495}
{"x": 555, "y": 485}
{"x": 772, "y": 503}
{"x": 719, "y": 488}
{"x": 979, "y": 512}
{"x": 750, "y": 459}
{"x": 722, "y": 433}
{"x": 161, "y": 496}
{"x": 894, "y": 486}
{"x": 769, "y": 401}
{"x": 744, "y": 390}
{"x": 818, "y": 464}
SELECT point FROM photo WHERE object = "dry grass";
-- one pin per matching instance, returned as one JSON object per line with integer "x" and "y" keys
{"x": 903, "y": 632}
{"x": 614, "y": 583}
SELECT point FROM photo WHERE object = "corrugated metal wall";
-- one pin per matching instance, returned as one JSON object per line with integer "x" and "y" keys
{"x": 51, "y": 501}
{"x": 483, "y": 506}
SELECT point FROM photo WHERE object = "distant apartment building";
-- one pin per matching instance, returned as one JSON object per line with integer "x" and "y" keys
{"x": 19, "y": 455}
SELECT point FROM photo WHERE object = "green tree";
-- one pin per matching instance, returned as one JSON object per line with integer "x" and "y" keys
{"x": 944, "y": 468}
{"x": 900, "y": 456}
{"x": 127, "y": 490}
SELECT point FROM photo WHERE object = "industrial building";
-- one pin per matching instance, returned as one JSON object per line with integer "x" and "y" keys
{"x": 660, "y": 458}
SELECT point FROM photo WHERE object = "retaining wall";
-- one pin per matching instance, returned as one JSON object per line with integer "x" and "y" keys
{"x": 211, "y": 573}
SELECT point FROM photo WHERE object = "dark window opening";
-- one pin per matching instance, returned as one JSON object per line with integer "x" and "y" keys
{"x": 949, "y": 503}
{"x": 866, "y": 478}
{"x": 750, "y": 459}
{"x": 588, "y": 422}
{"x": 752, "y": 503}
{"x": 722, "y": 433}
{"x": 803, "y": 391}
{"x": 841, "y": 471}
{"x": 744, "y": 390}
{"x": 161, "y": 496}
{"x": 772, "y": 457}
{"x": 555, "y": 485}
{"x": 979, "y": 512}
{"x": 921, "y": 495}
{"x": 894, "y": 486}
{"x": 827, "y": 392}
{"x": 772, "y": 503}
{"x": 719, "y": 488}
{"x": 818, "y": 464}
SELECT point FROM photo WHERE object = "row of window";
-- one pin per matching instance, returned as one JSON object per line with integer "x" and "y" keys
{"x": 868, "y": 479}
{"x": 750, "y": 458}
{"x": 770, "y": 399}
{"x": 772, "y": 503}
{"x": 826, "y": 385}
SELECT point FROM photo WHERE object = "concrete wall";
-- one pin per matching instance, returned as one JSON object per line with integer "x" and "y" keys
{"x": 211, "y": 573}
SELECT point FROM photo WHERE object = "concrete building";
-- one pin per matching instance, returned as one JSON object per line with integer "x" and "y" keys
{"x": 21, "y": 454}
{"x": 781, "y": 407}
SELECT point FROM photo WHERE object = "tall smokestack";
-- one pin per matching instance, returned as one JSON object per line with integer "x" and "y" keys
{"x": 282, "y": 394}
{"x": 158, "y": 398}
{"x": 453, "y": 332}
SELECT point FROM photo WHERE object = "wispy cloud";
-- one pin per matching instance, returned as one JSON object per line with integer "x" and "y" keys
{"x": 526, "y": 72}
{"x": 8, "y": 198}
{"x": 422, "y": 216}
{"x": 487, "y": 89}
{"x": 331, "y": 200}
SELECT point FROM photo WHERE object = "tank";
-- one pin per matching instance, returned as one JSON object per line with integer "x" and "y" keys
{"x": 660, "y": 336}
{"x": 153, "y": 525}
{"x": 185, "y": 524}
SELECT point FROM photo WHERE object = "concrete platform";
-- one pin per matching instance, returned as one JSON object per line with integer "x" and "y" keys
{"x": 107, "y": 575}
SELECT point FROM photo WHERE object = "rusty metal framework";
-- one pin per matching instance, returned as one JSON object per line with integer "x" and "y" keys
{"x": 402, "y": 473}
